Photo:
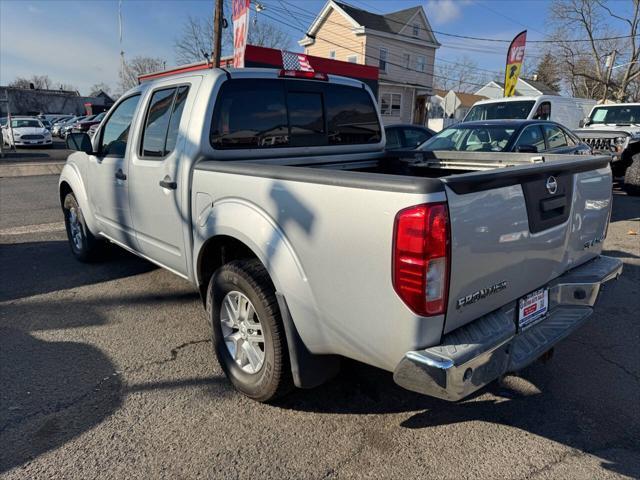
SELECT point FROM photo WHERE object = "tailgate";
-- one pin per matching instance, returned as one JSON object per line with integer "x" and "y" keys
{"x": 514, "y": 230}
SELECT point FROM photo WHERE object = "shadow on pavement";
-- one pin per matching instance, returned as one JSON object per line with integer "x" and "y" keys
{"x": 48, "y": 394}
{"x": 34, "y": 268}
{"x": 625, "y": 207}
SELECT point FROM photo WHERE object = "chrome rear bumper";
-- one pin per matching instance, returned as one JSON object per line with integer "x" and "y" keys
{"x": 478, "y": 353}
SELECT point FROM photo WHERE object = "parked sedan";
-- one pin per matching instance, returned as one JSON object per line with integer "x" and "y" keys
{"x": 84, "y": 125}
{"x": 67, "y": 128}
{"x": 26, "y": 131}
{"x": 406, "y": 136}
{"x": 527, "y": 136}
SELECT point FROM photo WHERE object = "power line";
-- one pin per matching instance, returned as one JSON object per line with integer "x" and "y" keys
{"x": 494, "y": 40}
{"x": 378, "y": 59}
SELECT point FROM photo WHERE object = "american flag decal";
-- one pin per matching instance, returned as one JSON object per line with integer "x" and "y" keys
{"x": 296, "y": 61}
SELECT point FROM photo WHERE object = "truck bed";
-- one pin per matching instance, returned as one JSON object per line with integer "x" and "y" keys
{"x": 336, "y": 225}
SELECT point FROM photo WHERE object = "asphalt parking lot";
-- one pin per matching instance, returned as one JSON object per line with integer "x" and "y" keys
{"x": 57, "y": 152}
{"x": 106, "y": 371}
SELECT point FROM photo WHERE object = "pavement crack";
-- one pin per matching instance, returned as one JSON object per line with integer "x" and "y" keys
{"x": 63, "y": 405}
{"x": 597, "y": 349}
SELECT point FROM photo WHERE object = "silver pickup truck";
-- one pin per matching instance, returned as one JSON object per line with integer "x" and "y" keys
{"x": 271, "y": 192}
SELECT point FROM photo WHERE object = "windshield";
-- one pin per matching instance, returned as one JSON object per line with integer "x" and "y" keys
{"x": 500, "y": 111}
{"x": 465, "y": 138}
{"x": 20, "y": 123}
{"x": 616, "y": 114}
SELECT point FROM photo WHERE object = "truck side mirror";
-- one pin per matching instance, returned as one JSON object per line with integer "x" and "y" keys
{"x": 80, "y": 142}
{"x": 584, "y": 122}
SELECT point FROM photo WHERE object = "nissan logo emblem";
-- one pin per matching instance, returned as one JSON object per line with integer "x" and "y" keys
{"x": 552, "y": 185}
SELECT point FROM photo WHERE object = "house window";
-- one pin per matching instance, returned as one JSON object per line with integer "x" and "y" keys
{"x": 352, "y": 59}
{"x": 382, "y": 65}
{"x": 390, "y": 104}
{"x": 332, "y": 54}
{"x": 421, "y": 63}
{"x": 416, "y": 30}
{"x": 407, "y": 60}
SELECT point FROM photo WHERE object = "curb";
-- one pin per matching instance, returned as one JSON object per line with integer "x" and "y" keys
{"x": 30, "y": 169}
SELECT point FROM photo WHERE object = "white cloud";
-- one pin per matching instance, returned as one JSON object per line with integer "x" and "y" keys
{"x": 33, "y": 9}
{"x": 444, "y": 11}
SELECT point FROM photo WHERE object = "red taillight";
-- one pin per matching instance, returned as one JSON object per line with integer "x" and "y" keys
{"x": 303, "y": 74}
{"x": 421, "y": 258}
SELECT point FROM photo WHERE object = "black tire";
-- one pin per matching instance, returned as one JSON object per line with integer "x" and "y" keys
{"x": 249, "y": 277}
{"x": 632, "y": 177}
{"x": 88, "y": 248}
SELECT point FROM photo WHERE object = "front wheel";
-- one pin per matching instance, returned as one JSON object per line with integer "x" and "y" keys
{"x": 247, "y": 330}
{"x": 84, "y": 246}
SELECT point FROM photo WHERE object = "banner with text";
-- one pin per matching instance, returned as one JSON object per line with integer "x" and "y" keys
{"x": 240, "y": 18}
{"x": 515, "y": 58}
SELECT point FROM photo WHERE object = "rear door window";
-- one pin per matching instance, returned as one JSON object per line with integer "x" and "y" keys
{"x": 531, "y": 135}
{"x": 162, "y": 121}
{"x": 555, "y": 137}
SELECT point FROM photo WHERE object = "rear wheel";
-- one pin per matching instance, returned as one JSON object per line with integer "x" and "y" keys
{"x": 84, "y": 246}
{"x": 247, "y": 330}
{"x": 632, "y": 176}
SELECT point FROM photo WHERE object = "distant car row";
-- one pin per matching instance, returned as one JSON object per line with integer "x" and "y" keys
{"x": 39, "y": 130}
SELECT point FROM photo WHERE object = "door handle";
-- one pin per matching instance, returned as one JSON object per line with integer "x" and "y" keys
{"x": 167, "y": 183}
{"x": 120, "y": 175}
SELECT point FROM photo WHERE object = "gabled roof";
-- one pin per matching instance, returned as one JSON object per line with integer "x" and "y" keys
{"x": 468, "y": 99}
{"x": 390, "y": 23}
{"x": 543, "y": 88}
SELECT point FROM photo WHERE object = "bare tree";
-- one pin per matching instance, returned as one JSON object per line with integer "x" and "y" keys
{"x": 99, "y": 87}
{"x": 40, "y": 82}
{"x": 460, "y": 75}
{"x": 138, "y": 66}
{"x": 195, "y": 42}
{"x": 594, "y": 21}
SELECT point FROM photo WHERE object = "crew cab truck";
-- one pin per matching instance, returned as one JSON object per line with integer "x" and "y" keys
{"x": 614, "y": 130}
{"x": 271, "y": 192}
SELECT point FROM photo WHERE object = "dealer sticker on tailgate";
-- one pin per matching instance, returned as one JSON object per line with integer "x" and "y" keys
{"x": 532, "y": 307}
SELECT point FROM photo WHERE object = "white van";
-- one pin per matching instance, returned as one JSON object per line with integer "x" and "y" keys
{"x": 567, "y": 111}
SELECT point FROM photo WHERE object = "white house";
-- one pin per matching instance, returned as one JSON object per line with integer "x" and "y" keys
{"x": 524, "y": 87}
{"x": 401, "y": 44}
{"x": 448, "y": 107}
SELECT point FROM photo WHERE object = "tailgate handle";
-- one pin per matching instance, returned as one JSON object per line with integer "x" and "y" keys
{"x": 553, "y": 203}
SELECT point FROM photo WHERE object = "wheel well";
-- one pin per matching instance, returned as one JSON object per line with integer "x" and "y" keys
{"x": 64, "y": 190}
{"x": 216, "y": 252}
{"x": 631, "y": 150}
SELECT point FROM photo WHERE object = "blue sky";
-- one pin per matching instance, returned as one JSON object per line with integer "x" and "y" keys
{"x": 76, "y": 42}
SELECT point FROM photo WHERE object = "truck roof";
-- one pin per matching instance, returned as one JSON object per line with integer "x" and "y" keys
{"x": 252, "y": 72}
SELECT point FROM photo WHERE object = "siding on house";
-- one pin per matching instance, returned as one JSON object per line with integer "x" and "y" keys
{"x": 342, "y": 31}
{"x": 336, "y": 35}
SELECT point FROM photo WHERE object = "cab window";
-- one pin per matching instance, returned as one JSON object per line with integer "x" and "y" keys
{"x": 115, "y": 133}
{"x": 543, "y": 112}
{"x": 265, "y": 113}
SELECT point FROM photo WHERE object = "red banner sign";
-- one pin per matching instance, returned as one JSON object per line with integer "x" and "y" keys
{"x": 240, "y": 30}
{"x": 515, "y": 58}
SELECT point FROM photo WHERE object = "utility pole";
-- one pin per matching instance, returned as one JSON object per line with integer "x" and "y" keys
{"x": 611, "y": 59}
{"x": 217, "y": 33}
